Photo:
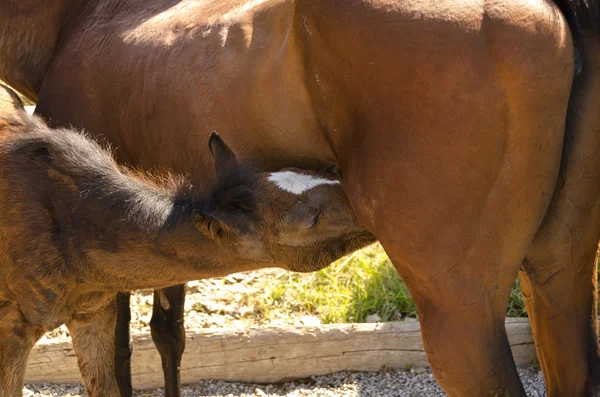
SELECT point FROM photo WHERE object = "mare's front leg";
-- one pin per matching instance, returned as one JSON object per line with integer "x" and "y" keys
{"x": 17, "y": 338}
{"x": 123, "y": 347}
{"x": 168, "y": 334}
{"x": 93, "y": 336}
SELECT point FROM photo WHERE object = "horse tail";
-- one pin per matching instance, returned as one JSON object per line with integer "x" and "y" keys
{"x": 583, "y": 16}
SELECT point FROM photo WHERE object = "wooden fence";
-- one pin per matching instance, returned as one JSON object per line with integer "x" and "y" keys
{"x": 267, "y": 355}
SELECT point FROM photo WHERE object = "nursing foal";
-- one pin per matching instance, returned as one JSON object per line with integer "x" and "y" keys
{"x": 75, "y": 228}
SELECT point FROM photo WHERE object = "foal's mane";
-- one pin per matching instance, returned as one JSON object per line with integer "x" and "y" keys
{"x": 149, "y": 200}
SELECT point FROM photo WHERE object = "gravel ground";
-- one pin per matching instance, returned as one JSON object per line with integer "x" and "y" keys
{"x": 342, "y": 384}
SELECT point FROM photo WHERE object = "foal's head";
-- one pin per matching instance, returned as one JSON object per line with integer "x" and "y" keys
{"x": 296, "y": 219}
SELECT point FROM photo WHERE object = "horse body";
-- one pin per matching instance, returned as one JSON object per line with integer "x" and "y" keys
{"x": 445, "y": 120}
{"x": 311, "y": 81}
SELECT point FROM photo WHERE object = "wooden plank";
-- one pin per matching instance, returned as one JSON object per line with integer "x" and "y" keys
{"x": 271, "y": 354}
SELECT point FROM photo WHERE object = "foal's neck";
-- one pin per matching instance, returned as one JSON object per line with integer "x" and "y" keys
{"x": 139, "y": 234}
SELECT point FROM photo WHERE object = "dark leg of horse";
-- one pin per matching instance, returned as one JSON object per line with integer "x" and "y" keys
{"x": 560, "y": 272}
{"x": 168, "y": 334}
{"x": 123, "y": 348}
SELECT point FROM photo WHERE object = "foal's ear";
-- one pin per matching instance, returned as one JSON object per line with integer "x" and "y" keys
{"x": 9, "y": 100}
{"x": 211, "y": 226}
{"x": 225, "y": 161}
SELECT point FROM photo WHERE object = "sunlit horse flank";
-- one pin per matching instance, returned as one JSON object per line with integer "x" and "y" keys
{"x": 445, "y": 120}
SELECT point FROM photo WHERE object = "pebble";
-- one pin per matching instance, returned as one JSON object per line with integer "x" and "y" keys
{"x": 388, "y": 383}
{"x": 373, "y": 318}
{"x": 309, "y": 321}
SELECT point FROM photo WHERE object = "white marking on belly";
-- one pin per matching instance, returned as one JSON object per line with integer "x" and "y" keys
{"x": 298, "y": 183}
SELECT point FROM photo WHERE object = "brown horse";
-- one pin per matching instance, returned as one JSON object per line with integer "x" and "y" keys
{"x": 76, "y": 228}
{"x": 464, "y": 132}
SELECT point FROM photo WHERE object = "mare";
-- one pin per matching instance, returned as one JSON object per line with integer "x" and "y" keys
{"x": 464, "y": 133}
{"x": 76, "y": 228}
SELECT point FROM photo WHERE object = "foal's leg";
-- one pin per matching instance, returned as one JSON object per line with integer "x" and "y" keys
{"x": 17, "y": 338}
{"x": 559, "y": 273}
{"x": 93, "y": 340}
{"x": 123, "y": 347}
{"x": 168, "y": 333}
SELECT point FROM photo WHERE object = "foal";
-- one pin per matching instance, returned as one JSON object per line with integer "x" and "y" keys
{"x": 76, "y": 228}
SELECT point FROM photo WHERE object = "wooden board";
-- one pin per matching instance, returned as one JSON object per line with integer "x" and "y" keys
{"x": 267, "y": 355}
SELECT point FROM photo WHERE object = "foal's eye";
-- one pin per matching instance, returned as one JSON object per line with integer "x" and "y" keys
{"x": 315, "y": 220}
{"x": 303, "y": 218}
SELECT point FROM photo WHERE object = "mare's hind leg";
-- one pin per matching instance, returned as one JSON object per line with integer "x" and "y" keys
{"x": 168, "y": 333}
{"x": 458, "y": 234}
{"x": 17, "y": 338}
{"x": 123, "y": 347}
{"x": 559, "y": 272}
{"x": 462, "y": 312}
{"x": 93, "y": 340}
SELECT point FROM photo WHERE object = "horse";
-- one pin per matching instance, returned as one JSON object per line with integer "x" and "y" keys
{"x": 76, "y": 228}
{"x": 463, "y": 133}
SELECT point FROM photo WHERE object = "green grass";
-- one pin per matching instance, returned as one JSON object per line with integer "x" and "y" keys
{"x": 349, "y": 290}
{"x": 362, "y": 284}
{"x": 516, "y": 304}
